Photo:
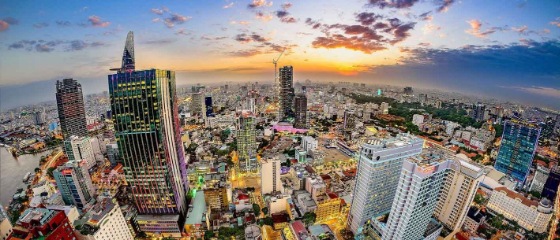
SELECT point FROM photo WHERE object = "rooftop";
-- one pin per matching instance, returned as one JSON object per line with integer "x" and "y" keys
{"x": 196, "y": 212}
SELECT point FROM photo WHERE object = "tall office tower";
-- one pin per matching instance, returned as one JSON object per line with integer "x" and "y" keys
{"x": 197, "y": 104}
{"x": 70, "y": 103}
{"x": 208, "y": 106}
{"x": 519, "y": 142}
{"x": 147, "y": 130}
{"x": 478, "y": 112}
{"x": 74, "y": 183}
{"x": 270, "y": 175}
{"x": 286, "y": 92}
{"x": 300, "y": 110}
{"x": 128, "y": 62}
{"x": 420, "y": 182}
{"x": 247, "y": 142}
{"x": 550, "y": 188}
{"x": 457, "y": 193}
{"x": 80, "y": 148}
{"x": 379, "y": 165}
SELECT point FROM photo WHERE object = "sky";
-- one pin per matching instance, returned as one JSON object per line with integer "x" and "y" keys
{"x": 506, "y": 49}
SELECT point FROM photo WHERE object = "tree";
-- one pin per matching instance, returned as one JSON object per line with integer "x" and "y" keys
{"x": 535, "y": 194}
{"x": 209, "y": 234}
{"x": 256, "y": 209}
{"x": 479, "y": 199}
{"x": 50, "y": 172}
{"x": 265, "y": 210}
{"x": 266, "y": 221}
{"x": 309, "y": 218}
{"x": 37, "y": 170}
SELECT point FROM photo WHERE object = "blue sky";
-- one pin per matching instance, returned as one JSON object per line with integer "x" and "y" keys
{"x": 501, "y": 48}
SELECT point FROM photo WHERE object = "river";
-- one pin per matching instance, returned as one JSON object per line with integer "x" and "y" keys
{"x": 13, "y": 170}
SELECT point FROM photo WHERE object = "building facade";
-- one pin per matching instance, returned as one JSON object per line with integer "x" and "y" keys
{"x": 270, "y": 175}
{"x": 247, "y": 142}
{"x": 145, "y": 115}
{"x": 379, "y": 165}
{"x": 74, "y": 183}
{"x": 70, "y": 104}
{"x": 300, "y": 111}
{"x": 103, "y": 221}
{"x": 80, "y": 148}
{"x": 41, "y": 223}
{"x": 519, "y": 142}
{"x": 457, "y": 194}
{"x": 529, "y": 214}
{"x": 286, "y": 92}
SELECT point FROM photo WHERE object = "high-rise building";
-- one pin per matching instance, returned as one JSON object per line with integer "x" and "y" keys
{"x": 128, "y": 61}
{"x": 70, "y": 104}
{"x": 247, "y": 142}
{"x": 300, "y": 110}
{"x": 270, "y": 175}
{"x": 539, "y": 180}
{"x": 103, "y": 221}
{"x": 519, "y": 142}
{"x": 197, "y": 104}
{"x": 286, "y": 93}
{"x": 379, "y": 165}
{"x": 420, "y": 182}
{"x": 147, "y": 129}
{"x": 74, "y": 183}
{"x": 457, "y": 193}
{"x": 478, "y": 112}
{"x": 550, "y": 188}
{"x": 208, "y": 106}
{"x": 80, "y": 148}
{"x": 40, "y": 117}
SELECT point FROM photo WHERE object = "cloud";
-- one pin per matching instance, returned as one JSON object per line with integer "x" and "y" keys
{"x": 4, "y": 25}
{"x": 240, "y": 22}
{"x": 50, "y": 46}
{"x": 392, "y": 3}
{"x": 11, "y": 21}
{"x": 556, "y": 22}
{"x": 424, "y": 44}
{"x": 282, "y": 13}
{"x": 523, "y": 30}
{"x": 174, "y": 19}
{"x": 97, "y": 22}
{"x": 265, "y": 17}
{"x": 40, "y": 25}
{"x": 182, "y": 31}
{"x": 247, "y": 38}
{"x": 229, "y": 5}
{"x": 259, "y": 3}
{"x": 443, "y": 5}
{"x": 476, "y": 29}
{"x": 427, "y": 16}
{"x": 245, "y": 53}
{"x": 158, "y": 41}
{"x": 288, "y": 20}
{"x": 157, "y": 11}
{"x": 210, "y": 38}
{"x": 286, "y": 5}
{"x": 372, "y": 33}
{"x": 544, "y": 91}
{"x": 63, "y": 23}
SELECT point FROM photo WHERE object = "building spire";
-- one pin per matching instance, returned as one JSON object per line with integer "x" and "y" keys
{"x": 128, "y": 62}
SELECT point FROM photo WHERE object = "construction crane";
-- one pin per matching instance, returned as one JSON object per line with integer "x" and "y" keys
{"x": 275, "y": 61}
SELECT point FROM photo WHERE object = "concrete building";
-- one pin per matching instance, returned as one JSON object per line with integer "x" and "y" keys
{"x": 74, "y": 183}
{"x": 277, "y": 203}
{"x": 529, "y": 214}
{"x": 541, "y": 175}
{"x": 80, "y": 148}
{"x": 286, "y": 92}
{"x": 270, "y": 175}
{"x": 420, "y": 183}
{"x": 247, "y": 142}
{"x": 70, "y": 104}
{"x": 315, "y": 186}
{"x": 103, "y": 221}
{"x": 41, "y": 223}
{"x": 308, "y": 143}
{"x": 253, "y": 232}
{"x": 328, "y": 206}
{"x": 457, "y": 193}
{"x": 5, "y": 225}
{"x": 473, "y": 220}
{"x": 71, "y": 212}
{"x": 379, "y": 165}
{"x": 300, "y": 111}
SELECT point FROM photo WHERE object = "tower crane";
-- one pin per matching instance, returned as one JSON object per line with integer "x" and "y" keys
{"x": 276, "y": 81}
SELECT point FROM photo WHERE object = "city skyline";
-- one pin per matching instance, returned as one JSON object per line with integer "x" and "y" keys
{"x": 505, "y": 50}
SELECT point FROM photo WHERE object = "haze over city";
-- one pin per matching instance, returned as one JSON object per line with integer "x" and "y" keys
{"x": 500, "y": 49}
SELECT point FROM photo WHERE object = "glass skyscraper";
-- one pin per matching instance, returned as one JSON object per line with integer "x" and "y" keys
{"x": 247, "y": 142}
{"x": 145, "y": 115}
{"x": 70, "y": 104}
{"x": 519, "y": 142}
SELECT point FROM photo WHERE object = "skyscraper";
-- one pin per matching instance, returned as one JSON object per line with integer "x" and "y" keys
{"x": 519, "y": 142}
{"x": 286, "y": 77}
{"x": 146, "y": 119}
{"x": 478, "y": 112}
{"x": 70, "y": 104}
{"x": 300, "y": 110}
{"x": 74, "y": 183}
{"x": 457, "y": 194}
{"x": 379, "y": 165}
{"x": 247, "y": 142}
{"x": 419, "y": 186}
{"x": 128, "y": 61}
{"x": 80, "y": 148}
{"x": 208, "y": 106}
